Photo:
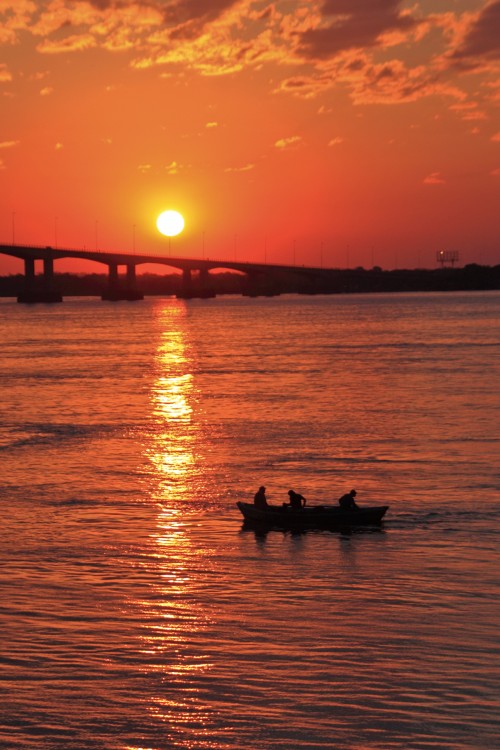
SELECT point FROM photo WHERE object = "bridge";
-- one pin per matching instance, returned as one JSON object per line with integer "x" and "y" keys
{"x": 196, "y": 280}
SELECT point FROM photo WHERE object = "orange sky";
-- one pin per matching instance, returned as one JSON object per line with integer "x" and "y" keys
{"x": 341, "y": 132}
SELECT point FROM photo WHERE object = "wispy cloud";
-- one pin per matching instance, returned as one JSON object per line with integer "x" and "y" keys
{"x": 172, "y": 168}
{"x": 74, "y": 43}
{"x": 434, "y": 178}
{"x": 287, "y": 143}
{"x": 468, "y": 111}
{"x": 245, "y": 168}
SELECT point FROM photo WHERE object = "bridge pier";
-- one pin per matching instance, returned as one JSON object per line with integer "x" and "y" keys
{"x": 200, "y": 288}
{"x": 40, "y": 289}
{"x": 112, "y": 293}
{"x": 206, "y": 288}
{"x": 116, "y": 291}
{"x": 186, "y": 290}
{"x": 132, "y": 290}
{"x": 258, "y": 285}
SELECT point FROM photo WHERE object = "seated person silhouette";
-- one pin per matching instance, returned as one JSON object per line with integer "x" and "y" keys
{"x": 297, "y": 502}
{"x": 347, "y": 501}
{"x": 260, "y": 499}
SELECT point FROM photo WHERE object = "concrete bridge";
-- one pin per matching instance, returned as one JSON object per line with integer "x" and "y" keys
{"x": 196, "y": 281}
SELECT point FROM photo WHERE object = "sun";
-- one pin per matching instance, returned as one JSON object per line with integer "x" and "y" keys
{"x": 170, "y": 223}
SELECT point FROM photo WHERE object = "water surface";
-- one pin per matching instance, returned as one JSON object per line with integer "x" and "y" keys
{"x": 136, "y": 611}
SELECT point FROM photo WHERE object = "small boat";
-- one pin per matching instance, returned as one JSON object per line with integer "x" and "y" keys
{"x": 311, "y": 517}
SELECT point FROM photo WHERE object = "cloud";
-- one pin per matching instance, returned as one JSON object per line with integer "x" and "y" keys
{"x": 210, "y": 125}
{"x": 46, "y": 91}
{"x": 245, "y": 168}
{"x": 15, "y": 16}
{"x": 74, "y": 43}
{"x": 496, "y": 172}
{"x": 493, "y": 88}
{"x": 469, "y": 111}
{"x": 310, "y": 46}
{"x": 306, "y": 86}
{"x": 336, "y": 141}
{"x": 189, "y": 16}
{"x": 389, "y": 82}
{"x": 369, "y": 82}
{"x": 215, "y": 46}
{"x": 474, "y": 116}
{"x": 286, "y": 143}
{"x": 77, "y": 26}
{"x": 496, "y": 137}
{"x": 5, "y": 74}
{"x": 171, "y": 169}
{"x": 482, "y": 35}
{"x": 434, "y": 178}
{"x": 219, "y": 37}
{"x": 9, "y": 144}
{"x": 353, "y": 24}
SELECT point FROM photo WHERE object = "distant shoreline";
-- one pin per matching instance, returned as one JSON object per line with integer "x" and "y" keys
{"x": 472, "y": 277}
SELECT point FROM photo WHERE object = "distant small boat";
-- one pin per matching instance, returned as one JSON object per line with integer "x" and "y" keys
{"x": 312, "y": 517}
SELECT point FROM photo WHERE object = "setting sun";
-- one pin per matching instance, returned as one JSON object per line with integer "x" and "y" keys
{"x": 170, "y": 223}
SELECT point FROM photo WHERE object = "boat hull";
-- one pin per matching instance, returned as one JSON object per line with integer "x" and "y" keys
{"x": 314, "y": 517}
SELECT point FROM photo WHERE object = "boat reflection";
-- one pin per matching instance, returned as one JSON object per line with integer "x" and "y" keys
{"x": 261, "y": 532}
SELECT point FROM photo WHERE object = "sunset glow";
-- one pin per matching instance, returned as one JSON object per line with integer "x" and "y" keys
{"x": 300, "y": 131}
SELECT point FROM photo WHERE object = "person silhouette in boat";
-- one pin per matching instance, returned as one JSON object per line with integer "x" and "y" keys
{"x": 347, "y": 501}
{"x": 260, "y": 499}
{"x": 297, "y": 502}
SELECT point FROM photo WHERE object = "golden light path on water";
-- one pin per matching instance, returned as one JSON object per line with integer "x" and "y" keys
{"x": 173, "y": 451}
{"x": 172, "y": 614}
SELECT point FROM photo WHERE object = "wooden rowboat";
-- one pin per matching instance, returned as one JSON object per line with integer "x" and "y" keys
{"x": 311, "y": 517}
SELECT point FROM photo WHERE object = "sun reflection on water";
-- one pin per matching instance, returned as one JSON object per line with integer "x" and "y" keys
{"x": 173, "y": 394}
{"x": 174, "y": 617}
